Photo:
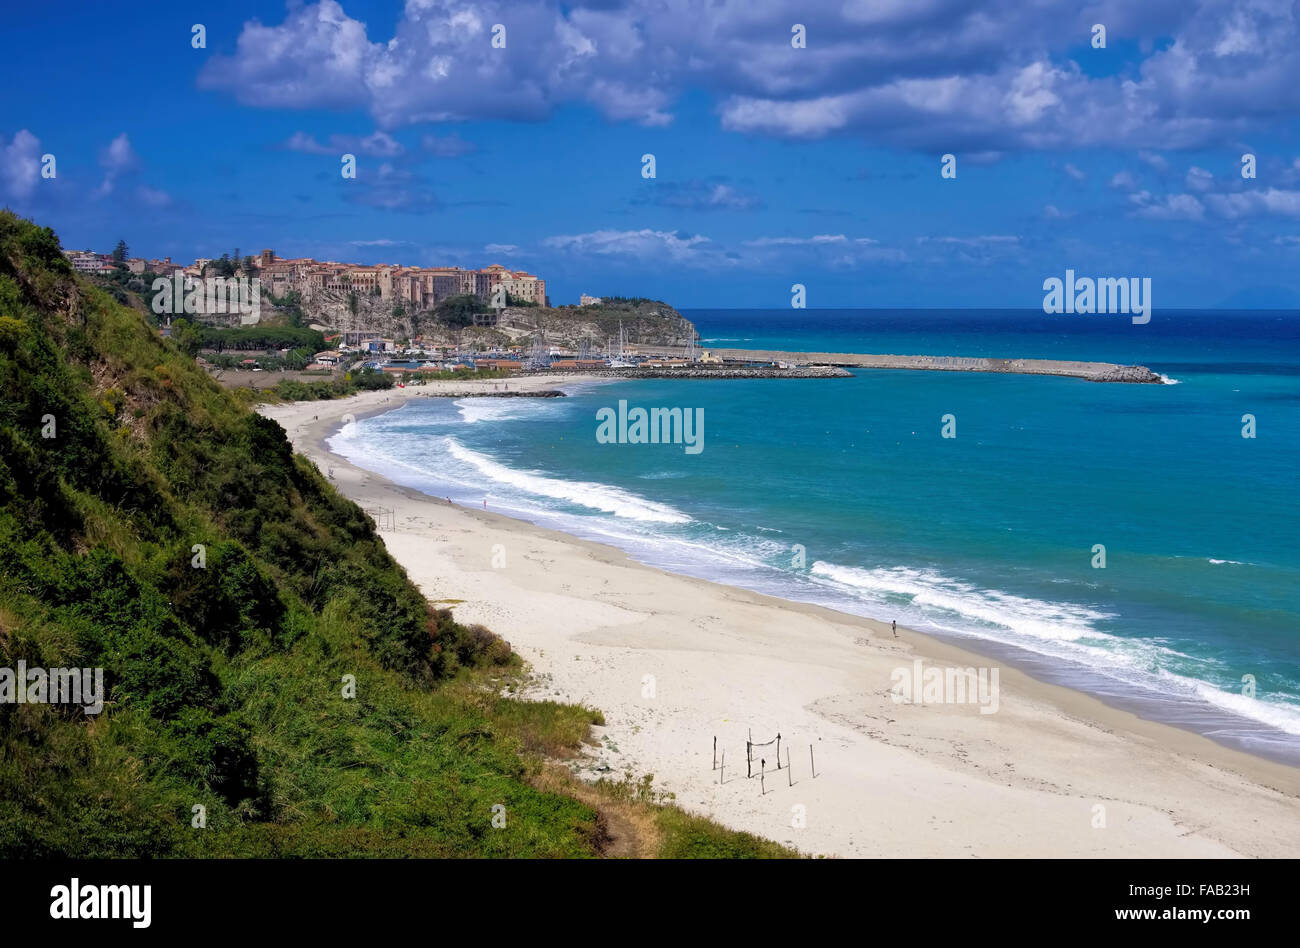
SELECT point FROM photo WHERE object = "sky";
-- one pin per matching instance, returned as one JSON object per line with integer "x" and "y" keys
{"x": 775, "y": 162}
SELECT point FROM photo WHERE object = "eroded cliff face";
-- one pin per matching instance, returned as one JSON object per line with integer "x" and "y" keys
{"x": 647, "y": 322}
{"x": 341, "y": 310}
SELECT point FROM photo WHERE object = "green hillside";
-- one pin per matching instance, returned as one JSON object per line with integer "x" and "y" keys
{"x": 153, "y": 526}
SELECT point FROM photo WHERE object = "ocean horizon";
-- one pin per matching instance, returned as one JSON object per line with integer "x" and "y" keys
{"x": 845, "y": 493}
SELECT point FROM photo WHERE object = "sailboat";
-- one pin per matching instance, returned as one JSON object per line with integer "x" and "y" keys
{"x": 621, "y": 361}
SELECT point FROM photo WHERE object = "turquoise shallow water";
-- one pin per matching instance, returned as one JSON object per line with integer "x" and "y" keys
{"x": 843, "y": 492}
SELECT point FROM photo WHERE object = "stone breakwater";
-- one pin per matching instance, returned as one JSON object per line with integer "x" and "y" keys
{"x": 1090, "y": 371}
{"x": 713, "y": 372}
{"x": 480, "y": 393}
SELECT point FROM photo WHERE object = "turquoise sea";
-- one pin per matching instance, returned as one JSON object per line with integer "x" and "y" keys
{"x": 843, "y": 492}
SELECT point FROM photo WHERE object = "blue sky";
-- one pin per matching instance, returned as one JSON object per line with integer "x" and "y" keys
{"x": 775, "y": 165}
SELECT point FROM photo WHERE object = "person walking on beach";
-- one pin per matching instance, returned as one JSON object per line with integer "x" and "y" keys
{"x": 894, "y": 624}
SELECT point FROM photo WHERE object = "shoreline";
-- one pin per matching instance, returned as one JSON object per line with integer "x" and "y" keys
{"x": 892, "y": 779}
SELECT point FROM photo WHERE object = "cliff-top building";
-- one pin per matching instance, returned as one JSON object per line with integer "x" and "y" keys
{"x": 417, "y": 287}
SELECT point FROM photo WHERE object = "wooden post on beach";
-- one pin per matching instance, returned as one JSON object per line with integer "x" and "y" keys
{"x": 778, "y": 750}
{"x": 722, "y": 771}
{"x": 789, "y": 771}
{"x": 811, "y": 762}
{"x": 715, "y": 752}
{"x": 762, "y": 785}
{"x": 749, "y": 759}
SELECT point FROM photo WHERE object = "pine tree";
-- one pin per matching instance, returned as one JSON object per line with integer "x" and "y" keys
{"x": 120, "y": 252}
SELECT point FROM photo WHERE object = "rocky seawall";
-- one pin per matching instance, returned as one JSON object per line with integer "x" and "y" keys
{"x": 712, "y": 372}
{"x": 480, "y": 393}
{"x": 1089, "y": 371}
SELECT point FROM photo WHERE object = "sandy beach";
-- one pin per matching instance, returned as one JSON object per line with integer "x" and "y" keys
{"x": 674, "y": 662}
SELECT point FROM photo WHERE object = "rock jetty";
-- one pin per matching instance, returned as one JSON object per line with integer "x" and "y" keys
{"x": 1089, "y": 371}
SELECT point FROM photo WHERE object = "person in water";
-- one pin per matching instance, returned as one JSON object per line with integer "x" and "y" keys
{"x": 894, "y": 623}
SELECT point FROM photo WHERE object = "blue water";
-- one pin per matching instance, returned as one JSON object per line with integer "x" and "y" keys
{"x": 843, "y": 492}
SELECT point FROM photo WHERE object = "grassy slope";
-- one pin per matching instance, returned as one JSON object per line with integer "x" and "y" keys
{"x": 225, "y": 682}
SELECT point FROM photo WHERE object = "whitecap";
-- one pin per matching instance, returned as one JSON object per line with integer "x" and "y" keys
{"x": 601, "y": 497}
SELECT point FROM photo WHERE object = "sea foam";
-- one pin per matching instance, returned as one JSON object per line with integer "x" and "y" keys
{"x": 601, "y": 497}
{"x": 929, "y": 590}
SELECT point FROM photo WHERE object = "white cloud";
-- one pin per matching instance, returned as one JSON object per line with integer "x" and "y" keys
{"x": 837, "y": 251}
{"x": 698, "y": 195}
{"x": 1155, "y": 161}
{"x": 643, "y": 243}
{"x": 1271, "y": 202}
{"x": 817, "y": 240}
{"x": 1198, "y": 179}
{"x": 724, "y": 195}
{"x": 440, "y": 64}
{"x": 949, "y": 74}
{"x": 20, "y": 164}
{"x": 1238, "y": 36}
{"x": 119, "y": 156}
{"x": 1031, "y": 95}
{"x": 830, "y": 250}
{"x": 1173, "y": 207}
{"x": 318, "y": 56}
{"x": 376, "y": 145}
{"x": 1123, "y": 181}
{"x": 810, "y": 118}
{"x": 986, "y": 240}
{"x": 117, "y": 159}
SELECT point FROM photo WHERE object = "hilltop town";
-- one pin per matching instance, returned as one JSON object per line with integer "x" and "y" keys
{"x": 323, "y": 282}
{"x": 382, "y": 316}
